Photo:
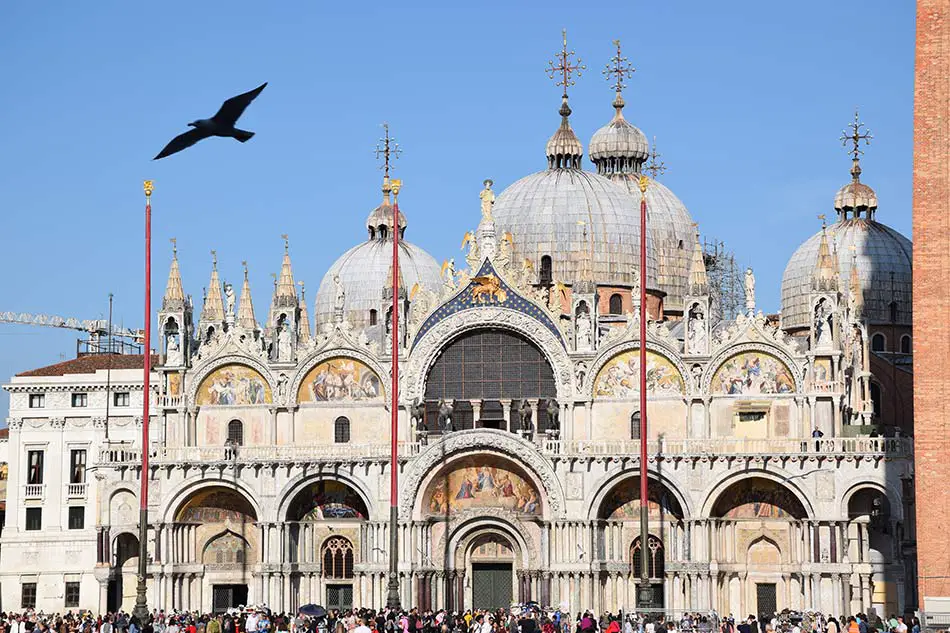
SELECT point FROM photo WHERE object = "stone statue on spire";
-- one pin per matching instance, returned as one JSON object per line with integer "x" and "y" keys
{"x": 749, "y": 291}
{"x": 488, "y": 200}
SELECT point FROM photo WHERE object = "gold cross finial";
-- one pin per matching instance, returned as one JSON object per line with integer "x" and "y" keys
{"x": 821, "y": 216}
{"x": 853, "y": 134}
{"x": 174, "y": 247}
{"x": 618, "y": 70}
{"x": 655, "y": 166}
{"x": 286, "y": 239}
{"x": 274, "y": 275}
{"x": 566, "y": 67}
{"x": 148, "y": 185}
{"x": 214, "y": 259}
{"x": 388, "y": 148}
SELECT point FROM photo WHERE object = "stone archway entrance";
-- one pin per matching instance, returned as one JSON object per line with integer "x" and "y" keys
{"x": 492, "y": 559}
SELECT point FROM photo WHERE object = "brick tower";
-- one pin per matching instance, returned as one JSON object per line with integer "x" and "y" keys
{"x": 932, "y": 301}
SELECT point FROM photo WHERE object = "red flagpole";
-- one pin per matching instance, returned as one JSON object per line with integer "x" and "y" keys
{"x": 141, "y": 603}
{"x": 392, "y": 599}
{"x": 646, "y": 592}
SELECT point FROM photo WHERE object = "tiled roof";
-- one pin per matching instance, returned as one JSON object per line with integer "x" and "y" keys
{"x": 90, "y": 364}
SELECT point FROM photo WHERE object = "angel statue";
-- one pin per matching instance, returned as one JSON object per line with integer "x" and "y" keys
{"x": 448, "y": 273}
{"x": 472, "y": 256}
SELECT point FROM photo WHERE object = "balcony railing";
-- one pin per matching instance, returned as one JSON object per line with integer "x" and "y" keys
{"x": 76, "y": 491}
{"x": 126, "y": 453}
{"x": 33, "y": 491}
{"x": 169, "y": 402}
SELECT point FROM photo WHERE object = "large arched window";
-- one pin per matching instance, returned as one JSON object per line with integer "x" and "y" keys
{"x": 878, "y": 343}
{"x": 546, "y": 276}
{"x": 656, "y": 566}
{"x": 485, "y": 367}
{"x": 905, "y": 345}
{"x": 341, "y": 430}
{"x": 235, "y": 433}
{"x": 337, "y": 558}
{"x": 616, "y": 304}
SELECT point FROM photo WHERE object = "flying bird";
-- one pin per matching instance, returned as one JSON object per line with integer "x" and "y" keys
{"x": 221, "y": 124}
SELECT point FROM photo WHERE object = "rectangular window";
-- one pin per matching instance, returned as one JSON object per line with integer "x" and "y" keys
{"x": 77, "y": 466}
{"x": 37, "y": 400}
{"x": 77, "y": 517}
{"x": 34, "y": 467}
{"x": 34, "y": 518}
{"x": 72, "y": 594}
{"x": 28, "y": 595}
{"x": 120, "y": 399}
{"x": 751, "y": 416}
{"x": 80, "y": 399}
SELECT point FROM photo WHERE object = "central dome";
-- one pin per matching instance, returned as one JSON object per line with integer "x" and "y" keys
{"x": 581, "y": 220}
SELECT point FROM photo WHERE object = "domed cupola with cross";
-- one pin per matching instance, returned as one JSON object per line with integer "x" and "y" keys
{"x": 570, "y": 223}
{"x": 353, "y": 287}
{"x": 880, "y": 255}
{"x": 621, "y": 152}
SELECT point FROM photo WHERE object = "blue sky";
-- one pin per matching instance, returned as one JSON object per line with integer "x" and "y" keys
{"x": 747, "y": 100}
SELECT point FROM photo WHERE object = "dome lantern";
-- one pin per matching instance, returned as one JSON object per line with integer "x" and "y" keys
{"x": 856, "y": 198}
{"x": 619, "y": 147}
{"x": 564, "y": 150}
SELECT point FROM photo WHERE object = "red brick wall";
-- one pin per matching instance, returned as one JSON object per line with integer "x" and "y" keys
{"x": 932, "y": 295}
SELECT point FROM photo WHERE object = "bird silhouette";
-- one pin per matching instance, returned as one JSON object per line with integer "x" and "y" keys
{"x": 221, "y": 124}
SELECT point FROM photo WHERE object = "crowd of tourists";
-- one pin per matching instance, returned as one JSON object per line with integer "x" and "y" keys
{"x": 514, "y": 620}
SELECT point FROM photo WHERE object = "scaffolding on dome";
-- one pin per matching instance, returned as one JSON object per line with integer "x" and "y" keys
{"x": 726, "y": 289}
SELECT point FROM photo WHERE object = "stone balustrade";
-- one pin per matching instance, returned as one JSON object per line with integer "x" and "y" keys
{"x": 123, "y": 453}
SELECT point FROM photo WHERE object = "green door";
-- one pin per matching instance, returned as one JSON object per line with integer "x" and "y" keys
{"x": 491, "y": 585}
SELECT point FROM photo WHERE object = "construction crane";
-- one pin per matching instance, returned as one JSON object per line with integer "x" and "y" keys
{"x": 97, "y": 329}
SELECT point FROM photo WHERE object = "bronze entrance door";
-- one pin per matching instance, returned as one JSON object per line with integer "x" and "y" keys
{"x": 491, "y": 585}
{"x": 223, "y": 597}
{"x": 339, "y": 597}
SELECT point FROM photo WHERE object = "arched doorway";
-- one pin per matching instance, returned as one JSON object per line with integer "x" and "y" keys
{"x": 488, "y": 375}
{"x": 216, "y": 528}
{"x": 324, "y": 526}
{"x": 491, "y": 558}
{"x": 122, "y": 581}
{"x": 758, "y": 533}
{"x": 871, "y": 535}
{"x": 618, "y": 538}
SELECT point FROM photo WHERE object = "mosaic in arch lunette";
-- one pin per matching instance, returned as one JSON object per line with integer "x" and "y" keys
{"x": 476, "y": 482}
{"x": 328, "y": 499}
{"x": 216, "y": 505}
{"x": 234, "y": 385}
{"x": 339, "y": 380}
{"x": 622, "y": 503}
{"x": 620, "y": 377}
{"x": 752, "y": 373}
{"x": 758, "y": 499}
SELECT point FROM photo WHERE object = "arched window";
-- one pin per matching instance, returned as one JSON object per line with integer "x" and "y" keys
{"x": 372, "y": 233}
{"x": 383, "y": 231}
{"x": 337, "y": 558}
{"x": 655, "y": 564}
{"x": 635, "y": 426}
{"x": 616, "y": 304}
{"x": 875, "y": 390}
{"x": 878, "y": 343}
{"x": 236, "y": 433}
{"x": 341, "y": 430}
{"x": 547, "y": 273}
{"x": 373, "y": 316}
{"x": 905, "y": 345}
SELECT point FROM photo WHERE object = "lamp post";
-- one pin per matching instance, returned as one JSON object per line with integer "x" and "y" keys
{"x": 392, "y": 598}
{"x": 645, "y": 592}
{"x": 141, "y": 601}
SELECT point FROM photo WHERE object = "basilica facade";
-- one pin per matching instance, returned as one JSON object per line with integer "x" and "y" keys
{"x": 780, "y": 471}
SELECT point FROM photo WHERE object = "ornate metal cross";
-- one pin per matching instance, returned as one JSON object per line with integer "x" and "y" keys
{"x": 619, "y": 69}
{"x": 388, "y": 148}
{"x": 655, "y": 166}
{"x": 854, "y": 135}
{"x": 565, "y": 67}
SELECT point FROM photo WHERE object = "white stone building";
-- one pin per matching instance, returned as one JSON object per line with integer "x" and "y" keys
{"x": 270, "y": 472}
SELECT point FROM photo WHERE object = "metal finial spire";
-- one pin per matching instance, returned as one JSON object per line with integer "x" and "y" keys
{"x": 568, "y": 64}
{"x": 244, "y": 263}
{"x": 655, "y": 166}
{"x": 286, "y": 239}
{"x": 617, "y": 71}
{"x": 274, "y": 275}
{"x": 174, "y": 247}
{"x": 214, "y": 260}
{"x": 303, "y": 292}
{"x": 853, "y": 134}
{"x": 821, "y": 216}
{"x": 388, "y": 148}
